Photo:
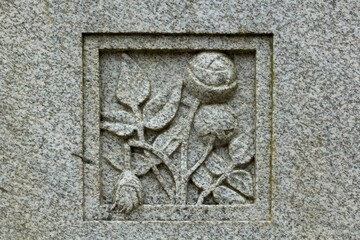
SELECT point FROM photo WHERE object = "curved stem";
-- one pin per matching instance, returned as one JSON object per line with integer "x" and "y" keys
{"x": 211, "y": 188}
{"x": 208, "y": 150}
{"x": 162, "y": 182}
{"x": 214, "y": 185}
{"x": 114, "y": 165}
{"x": 140, "y": 128}
{"x": 162, "y": 156}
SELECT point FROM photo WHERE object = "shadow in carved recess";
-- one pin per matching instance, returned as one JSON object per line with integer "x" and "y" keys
{"x": 180, "y": 145}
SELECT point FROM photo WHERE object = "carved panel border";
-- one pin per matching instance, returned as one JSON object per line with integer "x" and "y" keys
{"x": 261, "y": 45}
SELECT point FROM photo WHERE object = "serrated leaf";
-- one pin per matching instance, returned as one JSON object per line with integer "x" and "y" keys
{"x": 241, "y": 181}
{"x": 225, "y": 195}
{"x": 216, "y": 164}
{"x": 120, "y": 116}
{"x": 120, "y": 129}
{"x": 140, "y": 164}
{"x": 202, "y": 178}
{"x": 242, "y": 149}
{"x": 159, "y": 111}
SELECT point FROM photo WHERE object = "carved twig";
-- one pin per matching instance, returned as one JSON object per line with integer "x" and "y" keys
{"x": 114, "y": 165}
{"x": 162, "y": 156}
{"x": 208, "y": 150}
{"x": 127, "y": 156}
{"x": 138, "y": 114}
{"x": 211, "y": 188}
{"x": 162, "y": 181}
{"x": 214, "y": 185}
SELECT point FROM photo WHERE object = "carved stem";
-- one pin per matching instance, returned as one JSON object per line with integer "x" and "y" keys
{"x": 211, "y": 188}
{"x": 162, "y": 182}
{"x": 214, "y": 185}
{"x": 162, "y": 156}
{"x": 181, "y": 186}
{"x": 208, "y": 150}
{"x": 127, "y": 156}
{"x": 140, "y": 127}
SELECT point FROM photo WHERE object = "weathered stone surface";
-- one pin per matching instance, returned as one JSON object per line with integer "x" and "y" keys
{"x": 299, "y": 92}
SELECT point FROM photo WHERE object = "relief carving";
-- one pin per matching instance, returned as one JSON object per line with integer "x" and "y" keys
{"x": 156, "y": 136}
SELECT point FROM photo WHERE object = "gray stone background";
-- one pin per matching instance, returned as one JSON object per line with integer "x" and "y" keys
{"x": 316, "y": 114}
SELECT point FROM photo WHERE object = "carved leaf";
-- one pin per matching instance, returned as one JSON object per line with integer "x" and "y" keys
{"x": 202, "y": 178}
{"x": 225, "y": 195}
{"x": 120, "y": 129}
{"x": 140, "y": 164}
{"x": 242, "y": 149}
{"x": 216, "y": 164}
{"x": 241, "y": 181}
{"x": 119, "y": 116}
{"x": 159, "y": 111}
{"x": 169, "y": 140}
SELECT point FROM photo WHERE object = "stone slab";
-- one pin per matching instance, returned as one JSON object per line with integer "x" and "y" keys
{"x": 312, "y": 175}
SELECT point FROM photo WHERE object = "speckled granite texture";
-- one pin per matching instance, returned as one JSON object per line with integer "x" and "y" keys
{"x": 315, "y": 112}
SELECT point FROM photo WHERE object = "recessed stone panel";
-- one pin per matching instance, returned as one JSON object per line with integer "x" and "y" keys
{"x": 177, "y": 127}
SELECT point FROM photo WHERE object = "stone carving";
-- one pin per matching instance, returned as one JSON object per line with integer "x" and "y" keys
{"x": 152, "y": 138}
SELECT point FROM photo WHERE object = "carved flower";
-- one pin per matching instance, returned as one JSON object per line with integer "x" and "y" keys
{"x": 215, "y": 121}
{"x": 128, "y": 192}
{"x": 210, "y": 77}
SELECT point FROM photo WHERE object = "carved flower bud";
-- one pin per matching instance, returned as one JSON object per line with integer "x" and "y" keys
{"x": 210, "y": 77}
{"x": 215, "y": 121}
{"x": 128, "y": 192}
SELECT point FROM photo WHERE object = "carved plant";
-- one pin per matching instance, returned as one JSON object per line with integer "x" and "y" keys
{"x": 210, "y": 80}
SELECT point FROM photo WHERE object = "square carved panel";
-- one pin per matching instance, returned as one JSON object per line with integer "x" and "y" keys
{"x": 177, "y": 127}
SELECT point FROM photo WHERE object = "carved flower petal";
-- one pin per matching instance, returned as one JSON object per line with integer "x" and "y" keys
{"x": 207, "y": 93}
{"x": 213, "y": 68}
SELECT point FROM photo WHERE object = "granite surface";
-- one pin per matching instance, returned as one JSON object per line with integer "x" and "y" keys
{"x": 315, "y": 112}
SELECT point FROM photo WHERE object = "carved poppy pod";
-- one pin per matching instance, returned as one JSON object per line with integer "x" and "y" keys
{"x": 210, "y": 76}
{"x": 128, "y": 192}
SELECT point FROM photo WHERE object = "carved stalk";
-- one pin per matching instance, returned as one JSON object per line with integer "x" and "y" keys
{"x": 140, "y": 129}
{"x": 127, "y": 157}
{"x": 211, "y": 188}
{"x": 181, "y": 185}
{"x": 208, "y": 150}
